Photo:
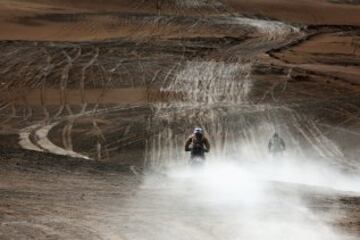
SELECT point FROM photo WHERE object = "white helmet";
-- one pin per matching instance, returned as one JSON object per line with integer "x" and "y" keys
{"x": 198, "y": 130}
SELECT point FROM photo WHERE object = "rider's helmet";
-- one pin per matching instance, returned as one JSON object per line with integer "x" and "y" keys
{"x": 276, "y": 135}
{"x": 198, "y": 132}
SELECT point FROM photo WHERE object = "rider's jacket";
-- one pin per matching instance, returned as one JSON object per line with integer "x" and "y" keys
{"x": 276, "y": 144}
{"x": 197, "y": 146}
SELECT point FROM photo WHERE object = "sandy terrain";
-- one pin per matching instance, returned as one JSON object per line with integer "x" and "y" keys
{"x": 97, "y": 97}
{"x": 80, "y": 21}
{"x": 86, "y": 199}
{"x": 73, "y": 96}
{"x": 82, "y": 200}
{"x": 318, "y": 12}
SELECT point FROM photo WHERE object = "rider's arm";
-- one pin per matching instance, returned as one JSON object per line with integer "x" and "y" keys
{"x": 187, "y": 144}
{"x": 207, "y": 144}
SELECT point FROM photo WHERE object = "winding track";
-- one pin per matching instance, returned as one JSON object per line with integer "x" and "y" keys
{"x": 41, "y": 143}
{"x": 35, "y": 137}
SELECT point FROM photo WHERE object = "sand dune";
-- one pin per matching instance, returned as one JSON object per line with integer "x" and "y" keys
{"x": 313, "y": 12}
{"x": 98, "y": 97}
{"x": 97, "y": 20}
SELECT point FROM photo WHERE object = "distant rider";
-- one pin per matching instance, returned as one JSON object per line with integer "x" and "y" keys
{"x": 276, "y": 145}
{"x": 198, "y": 145}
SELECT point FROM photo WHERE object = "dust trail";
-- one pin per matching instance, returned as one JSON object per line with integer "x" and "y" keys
{"x": 231, "y": 200}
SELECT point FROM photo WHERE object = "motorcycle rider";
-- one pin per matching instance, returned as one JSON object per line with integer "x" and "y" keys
{"x": 276, "y": 145}
{"x": 198, "y": 145}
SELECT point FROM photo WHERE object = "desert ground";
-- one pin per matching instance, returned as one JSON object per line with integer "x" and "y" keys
{"x": 98, "y": 97}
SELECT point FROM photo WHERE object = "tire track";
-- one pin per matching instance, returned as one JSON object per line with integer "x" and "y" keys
{"x": 43, "y": 143}
{"x": 25, "y": 141}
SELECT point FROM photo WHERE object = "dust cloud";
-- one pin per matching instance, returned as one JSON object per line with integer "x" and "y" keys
{"x": 233, "y": 198}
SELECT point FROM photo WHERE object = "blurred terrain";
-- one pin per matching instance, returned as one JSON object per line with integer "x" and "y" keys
{"x": 95, "y": 93}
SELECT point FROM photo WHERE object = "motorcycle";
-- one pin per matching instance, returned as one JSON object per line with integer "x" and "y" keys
{"x": 197, "y": 157}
